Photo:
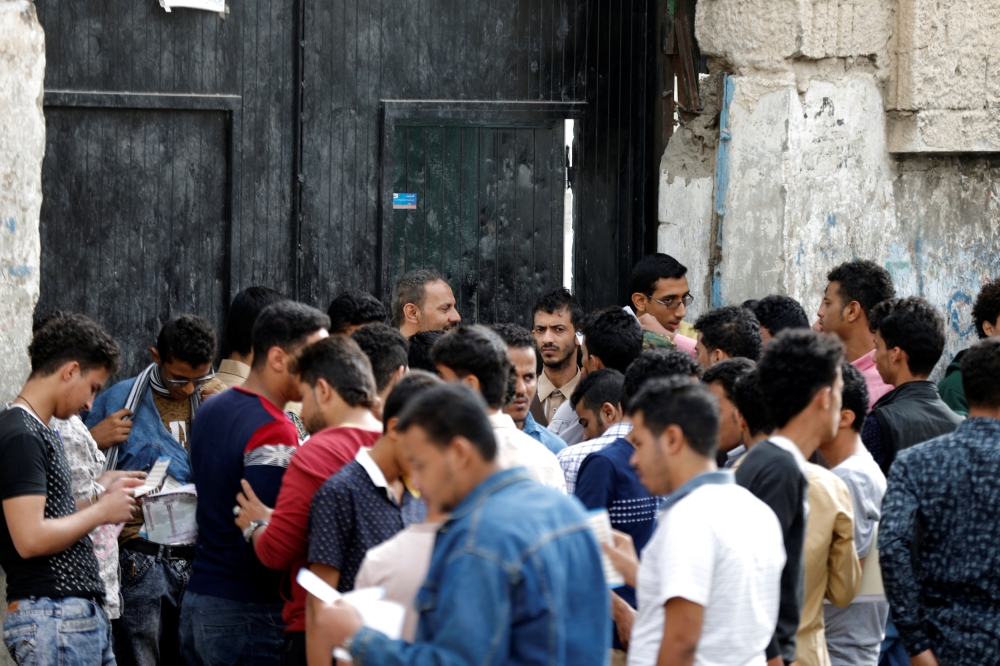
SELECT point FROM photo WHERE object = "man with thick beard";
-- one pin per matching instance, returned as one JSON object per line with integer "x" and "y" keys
{"x": 557, "y": 319}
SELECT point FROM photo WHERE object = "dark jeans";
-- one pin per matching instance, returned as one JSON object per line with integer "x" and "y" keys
{"x": 152, "y": 588}
{"x": 216, "y": 631}
{"x": 66, "y": 632}
{"x": 295, "y": 649}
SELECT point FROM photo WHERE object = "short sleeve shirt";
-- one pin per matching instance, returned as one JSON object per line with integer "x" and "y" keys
{"x": 34, "y": 463}
{"x": 719, "y": 547}
{"x": 350, "y": 514}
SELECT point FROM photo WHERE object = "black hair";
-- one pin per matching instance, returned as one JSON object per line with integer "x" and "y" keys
{"x": 855, "y": 395}
{"x": 478, "y": 351}
{"x": 597, "y": 388}
{"x": 354, "y": 308}
{"x": 778, "y": 312}
{"x": 449, "y": 411}
{"x": 863, "y": 281}
{"x": 980, "y": 369}
{"x": 652, "y": 363}
{"x": 186, "y": 338}
{"x": 987, "y": 307}
{"x": 614, "y": 336}
{"x": 683, "y": 402}
{"x": 340, "y": 361}
{"x": 62, "y": 337}
{"x": 285, "y": 324}
{"x": 733, "y": 329}
{"x": 750, "y": 402}
{"x": 558, "y": 300}
{"x": 411, "y": 288}
{"x": 794, "y": 368}
{"x": 514, "y": 336}
{"x": 913, "y": 325}
{"x": 419, "y": 356}
{"x": 385, "y": 347}
{"x": 408, "y": 387}
{"x": 727, "y": 373}
{"x": 243, "y": 312}
{"x": 648, "y": 270}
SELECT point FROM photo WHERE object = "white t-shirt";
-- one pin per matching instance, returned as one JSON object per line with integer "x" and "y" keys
{"x": 721, "y": 548}
{"x": 515, "y": 449}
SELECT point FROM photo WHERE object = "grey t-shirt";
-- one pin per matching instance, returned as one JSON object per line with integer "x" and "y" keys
{"x": 853, "y": 634}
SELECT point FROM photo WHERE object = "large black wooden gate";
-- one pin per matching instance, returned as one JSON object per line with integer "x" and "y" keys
{"x": 191, "y": 155}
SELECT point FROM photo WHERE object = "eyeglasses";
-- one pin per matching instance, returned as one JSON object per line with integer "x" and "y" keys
{"x": 672, "y": 303}
{"x": 198, "y": 383}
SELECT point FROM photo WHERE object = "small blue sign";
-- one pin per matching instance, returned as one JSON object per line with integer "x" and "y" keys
{"x": 403, "y": 201}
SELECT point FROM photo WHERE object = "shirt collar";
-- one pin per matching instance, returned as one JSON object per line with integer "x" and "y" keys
{"x": 234, "y": 368}
{"x": 493, "y": 484}
{"x": 614, "y": 431}
{"x": 736, "y": 453}
{"x": 788, "y": 445}
{"x": 530, "y": 424}
{"x": 500, "y": 421}
{"x": 866, "y": 362}
{"x": 364, "y": 458}
{"x": 546, "y": 388}
{"x": 716, "y": 478}
{"x": 27, "y": 411}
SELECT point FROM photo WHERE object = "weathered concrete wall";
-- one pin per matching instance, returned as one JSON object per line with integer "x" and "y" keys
{"x": 810, "y": 179}
{"x": 945, "y": 89}
{"x": 22, "y": 146}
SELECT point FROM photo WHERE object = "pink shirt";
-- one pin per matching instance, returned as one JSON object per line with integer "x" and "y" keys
{"x": 876, "y": 387}
{"x": 685, "y": 343}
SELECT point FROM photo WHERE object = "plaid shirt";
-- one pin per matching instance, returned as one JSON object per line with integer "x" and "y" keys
{"x": 572, "y": 457}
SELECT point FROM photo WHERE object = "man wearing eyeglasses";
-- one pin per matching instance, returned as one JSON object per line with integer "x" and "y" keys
{"x": 660, "y": 297}
{"x": 161, "y": 403}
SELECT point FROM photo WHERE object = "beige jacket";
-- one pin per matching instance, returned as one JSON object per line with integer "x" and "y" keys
{"x": 833, "y": 570}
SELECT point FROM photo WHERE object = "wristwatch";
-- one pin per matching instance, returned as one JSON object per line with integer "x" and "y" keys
{"x": 252, "y": 527}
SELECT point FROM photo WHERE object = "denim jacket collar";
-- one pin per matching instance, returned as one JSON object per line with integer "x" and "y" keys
{"x": 717, "y": 478}
{"x": 493, "y": 484}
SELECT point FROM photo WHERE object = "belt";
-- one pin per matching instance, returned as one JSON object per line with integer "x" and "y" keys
{"x": 159, "y": 550}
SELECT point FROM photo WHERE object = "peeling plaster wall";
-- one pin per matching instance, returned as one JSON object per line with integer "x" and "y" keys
{"x": 812, "y": 176}
{"x": 22, "y": 146}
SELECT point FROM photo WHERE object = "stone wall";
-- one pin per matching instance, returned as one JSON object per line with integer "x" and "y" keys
{"x": 811, "y": 174}
{"x": 22, "y": 146}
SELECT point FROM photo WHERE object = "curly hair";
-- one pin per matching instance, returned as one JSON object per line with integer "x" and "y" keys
{"x": 863, "y": 281}
{"x": 684, "y": 402}
{"x": 650, "y": 270}
{"x": 855, "y": 394}
{"x": 614, "y": 336}
{"x": 733, "y": 329}
{"x": 419, "y": 356}
{"x": 987, "y": 307}
{"x": 355, "y": 308}
{"x": 63, "y": 337}
{"x": 727, "y": 373}
{"x": 514, "y": 336}
{"x": 476, "y": 350}
{"x": 980, "y": 369}
{"x": 748, "y": 399}
{"x": 339, "y": 361}
{"x": 385, "y": 347}
{"x": 186, "y": 338}
{"x": 652, "y": 363}
{"x": 778, "y": 312}
{"x": 561, "y": 299}
{"x": 913, "y": 325}
{"x": 794, "y": 368}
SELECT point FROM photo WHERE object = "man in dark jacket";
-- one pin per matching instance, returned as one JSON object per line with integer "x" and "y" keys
{"x": 986, "y": 317}
{"x": 909, "y": 340}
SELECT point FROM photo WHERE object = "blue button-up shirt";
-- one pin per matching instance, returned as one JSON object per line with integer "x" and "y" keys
{"x": 515, "y": 579}
{"x": 552, "y": 441}
{"x": 938, "y": 544}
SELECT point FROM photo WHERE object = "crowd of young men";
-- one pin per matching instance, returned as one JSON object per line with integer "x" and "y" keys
{"x": 756, "y": 472}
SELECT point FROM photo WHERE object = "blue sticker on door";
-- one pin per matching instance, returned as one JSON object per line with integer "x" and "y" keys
{"x": 404, "y": 201}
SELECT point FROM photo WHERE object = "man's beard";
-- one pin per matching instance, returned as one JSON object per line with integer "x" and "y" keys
{"x": 562, "y": 362}
{"x": 315, "y": 424}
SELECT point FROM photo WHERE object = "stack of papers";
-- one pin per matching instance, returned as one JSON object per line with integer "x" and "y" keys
{"x": 600, "y": 525}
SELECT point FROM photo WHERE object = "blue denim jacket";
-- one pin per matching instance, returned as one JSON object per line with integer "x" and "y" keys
{"x": 148, "y": 439}
{"x": 515, "y": 579}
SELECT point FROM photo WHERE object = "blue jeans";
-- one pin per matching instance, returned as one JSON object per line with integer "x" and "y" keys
{"x": 69, "y": 632}
{"x": 217, "y": 631}
{"x": 152, "y": 588}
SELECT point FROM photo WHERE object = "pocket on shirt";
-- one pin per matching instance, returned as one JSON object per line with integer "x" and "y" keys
{"x": 20, "y": 640}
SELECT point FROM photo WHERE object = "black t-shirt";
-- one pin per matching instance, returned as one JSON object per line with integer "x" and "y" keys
{"x": 34, "y": 463}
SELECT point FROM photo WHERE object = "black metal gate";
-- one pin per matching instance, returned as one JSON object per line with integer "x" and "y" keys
{"x": 190, "y": 155}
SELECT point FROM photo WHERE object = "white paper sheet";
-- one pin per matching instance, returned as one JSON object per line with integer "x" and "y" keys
{"x": 155, "y": 477}
{"x": 600, "y": 524}
{"x": 206, "y": 5}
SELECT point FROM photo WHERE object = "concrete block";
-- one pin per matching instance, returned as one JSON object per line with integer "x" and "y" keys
{"x": 685, "y": 232}
{"x": 22, "y": 147}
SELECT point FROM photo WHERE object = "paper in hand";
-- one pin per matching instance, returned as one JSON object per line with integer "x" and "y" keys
{"x": 383, "y": 616}
{"x": 155, "y": 477}
{"x": 600, "y": 525}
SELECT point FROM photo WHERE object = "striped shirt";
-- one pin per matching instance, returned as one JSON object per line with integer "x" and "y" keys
{"x": 572, "y": 457}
